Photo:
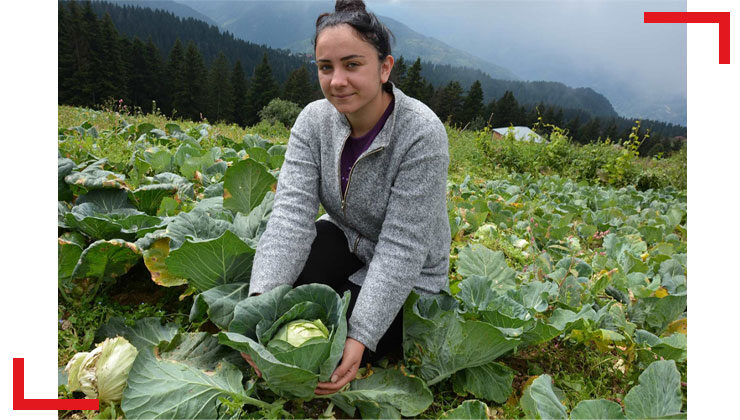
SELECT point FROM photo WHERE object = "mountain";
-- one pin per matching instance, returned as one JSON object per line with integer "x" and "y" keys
{"x": 178, "y": 9}
{"x": 265, "y": 22}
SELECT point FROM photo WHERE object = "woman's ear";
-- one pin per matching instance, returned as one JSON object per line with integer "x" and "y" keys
{"x": 385, "y": 68}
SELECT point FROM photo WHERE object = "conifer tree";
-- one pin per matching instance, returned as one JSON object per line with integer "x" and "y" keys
{"x": 190, "y": 96}
{"x": 413, "y": 84}
{"x": 398, "y": 72}
{"x": 298, "y": 87}
{"x": 473, "y": 103}
{"x": 506, "y": 111}
{"x": 448, "y": 103}
{"x": 173, "y": 77}
{"x": 592, "y": 130}
{"x": 112, "y": 77}
{"x": 262, "y": 89}
{"x": 610, "y": 131}
{"x": 91, "y": 62}
{"x": 154, "y": 64}
{"x": 220, "y": 92}
{"x": 139, "y": 88}
{"x": 239, "y": 86}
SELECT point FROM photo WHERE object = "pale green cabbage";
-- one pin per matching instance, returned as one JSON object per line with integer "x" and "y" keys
{"x": 299, "y": 331}
{"x": 102, "y": 373}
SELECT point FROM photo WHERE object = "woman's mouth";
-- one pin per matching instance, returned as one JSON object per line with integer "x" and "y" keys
{"x": 343, "y": 96}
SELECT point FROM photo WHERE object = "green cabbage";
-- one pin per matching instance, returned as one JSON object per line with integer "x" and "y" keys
{"x": 297, "y": 332}
{"x": 102, "y": 373}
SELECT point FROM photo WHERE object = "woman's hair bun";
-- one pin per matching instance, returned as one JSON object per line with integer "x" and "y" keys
{"x": 349, "y": 6}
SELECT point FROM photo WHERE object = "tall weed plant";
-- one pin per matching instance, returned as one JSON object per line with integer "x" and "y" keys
{"x": 602, "y": 162}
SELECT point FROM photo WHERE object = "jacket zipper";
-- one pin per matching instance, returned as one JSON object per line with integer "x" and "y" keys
{"x": 349, "y": 178}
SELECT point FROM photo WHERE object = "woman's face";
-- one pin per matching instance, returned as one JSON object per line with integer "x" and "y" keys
{"x": 350, "y": 72}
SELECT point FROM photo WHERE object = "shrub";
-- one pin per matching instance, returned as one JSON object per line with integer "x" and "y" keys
{"x": 280, "y": 110}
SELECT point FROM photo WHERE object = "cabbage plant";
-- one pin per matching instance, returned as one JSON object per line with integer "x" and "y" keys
{"x": 103, "y": 372}
{"x": 295, "y": 336}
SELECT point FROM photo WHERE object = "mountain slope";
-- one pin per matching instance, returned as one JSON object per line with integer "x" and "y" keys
{"x": 264, "y": 22}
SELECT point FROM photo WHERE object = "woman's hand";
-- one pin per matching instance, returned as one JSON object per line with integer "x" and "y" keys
{"x": 346, "y": 370}
{"x": 249, "y": 360}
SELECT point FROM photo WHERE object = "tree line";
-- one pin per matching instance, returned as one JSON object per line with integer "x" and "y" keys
{"x": 98, "y": 64}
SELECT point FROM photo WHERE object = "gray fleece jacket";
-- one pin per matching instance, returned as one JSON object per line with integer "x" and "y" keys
{"x": 394, "y": 213}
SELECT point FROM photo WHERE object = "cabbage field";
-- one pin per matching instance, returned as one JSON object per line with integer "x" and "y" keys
{"x": 568, "y": 299}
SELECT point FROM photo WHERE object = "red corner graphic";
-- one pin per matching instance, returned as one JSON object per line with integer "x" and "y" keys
{"x": 21, "y": 403}
{"x": 723, "y": 18}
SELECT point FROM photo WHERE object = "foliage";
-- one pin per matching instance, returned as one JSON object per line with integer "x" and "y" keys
{"x": 280, "y": 110}
{"x": 548, "y": 275}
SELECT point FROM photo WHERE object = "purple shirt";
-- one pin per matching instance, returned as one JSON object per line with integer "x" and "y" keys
{"x": 355, "y": 146}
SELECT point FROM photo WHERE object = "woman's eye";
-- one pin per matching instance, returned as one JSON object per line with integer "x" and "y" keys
{"x": 324, "y": 67}
{"x": 351, "y": 65}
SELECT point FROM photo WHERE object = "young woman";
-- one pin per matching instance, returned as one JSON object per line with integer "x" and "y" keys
{"x": 377, "y": 161}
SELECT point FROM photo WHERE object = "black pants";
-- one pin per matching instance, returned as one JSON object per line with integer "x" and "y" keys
{"x": 330, "y": 262}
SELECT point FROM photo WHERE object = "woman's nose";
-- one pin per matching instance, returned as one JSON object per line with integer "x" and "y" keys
{"x": 339, "y": 78}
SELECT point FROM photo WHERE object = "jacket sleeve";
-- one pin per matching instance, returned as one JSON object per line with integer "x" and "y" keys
{"x": 403, "y": 243}
{"x": 284, "y": 246}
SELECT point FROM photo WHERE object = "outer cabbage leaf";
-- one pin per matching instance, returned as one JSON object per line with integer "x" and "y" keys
{"x": 491, "y": 382}
{"x": 477, "y": 260}
{"x": 155, "y": 257}
{"x": 147, "y": 198}
{"x": 145, "y": 334}
{"x": 540, "y": 402}
{"x": 657, "y": 395}
{"x": 96, "y": 177}
{"x": 101, "y": 261}
{"x": 184, "y": 381}
{"x": 71, "y": 245}
{"x": 441, "y": 342}
{"x": 218, "y": 303}
{"x": 245, "y": 185}
{"x": 386, "y": 387}
{"x": 597, "y": 409}
{"x": 468, "y": 410}
{"x": 251, "y": 227}
{"x": 65, "y": 167}
{"x": 209, "y": 263}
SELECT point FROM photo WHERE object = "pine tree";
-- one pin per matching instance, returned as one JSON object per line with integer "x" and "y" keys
{"x": 91, "y": 60}
{"x": 139, "y": 88}
{"x": 506, "y": 111}
{"x": 154, "y": 65}
{"x": 298, "y": 87}
{"x": 112, "y": 75}
{"x": 592, "y": 130}
{"x": 413, "y": 84}
{"x": 610, "y": 131}
{"x": 220, "y": 92}
{"x": 398, "y": 72}
{"x": 262, "y": 89}
{"x": 173, "y": 78}
{"x": 473, "y": 103}
{"x": 190, "y": 97}
{"x": 448, "y": 103}
{"x": 239, "y": 86}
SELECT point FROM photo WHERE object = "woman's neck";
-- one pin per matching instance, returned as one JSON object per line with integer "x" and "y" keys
{"x": 363, "y": 123}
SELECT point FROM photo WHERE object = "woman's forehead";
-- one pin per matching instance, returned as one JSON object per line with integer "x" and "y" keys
{"x": 340, "y": 41}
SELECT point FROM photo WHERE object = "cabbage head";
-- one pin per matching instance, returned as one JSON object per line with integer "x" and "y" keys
{"x": 295, "y": 336}
{"x": 103, "y": 372}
